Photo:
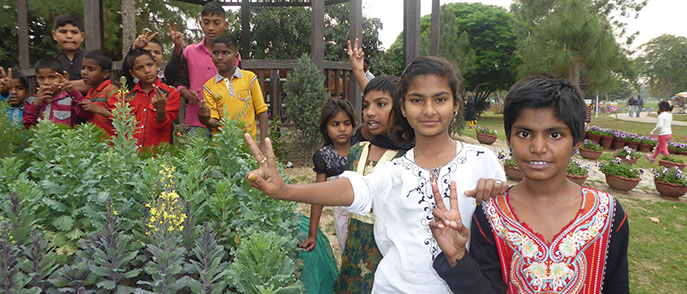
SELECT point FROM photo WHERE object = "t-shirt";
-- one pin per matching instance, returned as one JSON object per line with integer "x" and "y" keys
{"x": 72, "y": 67}
{"x": 402, "y": 197}
{"x": 663, "y": 124}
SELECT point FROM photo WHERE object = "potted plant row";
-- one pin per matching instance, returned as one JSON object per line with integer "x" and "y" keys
{"x": 485, "y": 135}
{"x": 619, "y": 175}
{"x": 590, "y": 150}
{"x": 670, "y": 182}
{"x": 627, "y": 155}
{"x": 577, "y": 172}
{"x": 671, "y": 161}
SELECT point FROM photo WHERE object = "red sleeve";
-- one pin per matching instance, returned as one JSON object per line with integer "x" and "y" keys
{"x": 31, "y": 113}
{"x": 172, "y": 110}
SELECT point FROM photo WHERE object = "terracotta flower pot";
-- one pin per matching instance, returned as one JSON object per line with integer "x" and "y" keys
{"x": 590, "y": 154}
{"x": 513, "y": 172}
{"x": 621, "y": 183}
{"x": 606, "y": 141}
{"x": 618, "y": 143}
{"x": 594, "y": 137}
{"x": 670, "y": 164}
{"x": 632, "y": 145}
{"x": 644, "y": 147}
{"x": 577, "y": 179}
{"x": 681, "y": 152}
{"x": 672, "y": 151}
{"x": 669, "y": 189}
{"x": 630, "y": 161}
{"x": 486, "y": 139}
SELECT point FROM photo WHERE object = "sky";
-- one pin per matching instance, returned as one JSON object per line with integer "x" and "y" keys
{"x": 657, "y": 18}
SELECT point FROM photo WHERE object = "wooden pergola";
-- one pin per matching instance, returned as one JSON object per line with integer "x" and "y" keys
{"x": 270, "y": 72}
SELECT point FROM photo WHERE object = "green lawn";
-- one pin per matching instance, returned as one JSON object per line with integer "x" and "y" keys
{"x": 677, "y": 117}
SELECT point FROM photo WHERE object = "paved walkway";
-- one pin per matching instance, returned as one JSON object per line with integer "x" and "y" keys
{"x": 644, "y": 118}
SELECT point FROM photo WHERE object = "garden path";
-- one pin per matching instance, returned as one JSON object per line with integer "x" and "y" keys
{"x": 644, "y": 118}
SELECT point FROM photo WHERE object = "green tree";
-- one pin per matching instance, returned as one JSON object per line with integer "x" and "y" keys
{"x": 663, "y": 65}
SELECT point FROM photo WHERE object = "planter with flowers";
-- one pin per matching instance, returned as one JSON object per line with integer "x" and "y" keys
{"x": 590, "y": 150}
{"x": 632, "y": 141}
{"x": 671, "y": 161}
{"x": 619, "y": 175}
{"x": 672, "y": 148}
{"x": 512, "y": 170}
{"x": 620, "y": 139}
{"x": 670, "y": 182}
{"x": 577, "y": 172}
{"x": 627, "y": 155}
{"x": 606, "y": 139}
{"x": 681, "y": 149}
{"x": 485, "y": 135}
{"x": 645, "y": 144}
{"x": 594, "y": 133}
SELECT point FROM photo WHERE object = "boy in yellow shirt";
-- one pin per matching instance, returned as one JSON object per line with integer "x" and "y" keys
{"x": 233, "y": 92}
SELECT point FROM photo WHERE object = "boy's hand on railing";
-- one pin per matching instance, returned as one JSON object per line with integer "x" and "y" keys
{"x": 266, "y": 178}
{"x": 487, "y": 189}
{"x": 447, "y": 227}
{"x": 356, "y": 56}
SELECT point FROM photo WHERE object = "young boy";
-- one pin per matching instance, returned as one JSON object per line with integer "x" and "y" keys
{"x": 103, "y": 95}
{"x": 152, "y": 44}
{"x": 69, "y": 34}
{"x": 155, "y": 104}
{"x": 233, "y": 92}
{"x": 197, "y": 66}
{"x": 14, "y": 88}
{"x": 56, "y": 99}
{"x": 546, "y": 234}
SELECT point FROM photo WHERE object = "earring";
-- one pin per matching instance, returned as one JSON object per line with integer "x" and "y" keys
{"x": 455, "y": 112}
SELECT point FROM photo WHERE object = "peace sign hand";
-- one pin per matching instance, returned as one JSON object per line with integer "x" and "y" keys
{"x": 177, "y": 36}
{"x": 447, "y": 227}
{"x": 143, "y": 40}
{"x": 356, "y": 56}
{"x": 5, "y": 79}
{"x": 266, "y": 178}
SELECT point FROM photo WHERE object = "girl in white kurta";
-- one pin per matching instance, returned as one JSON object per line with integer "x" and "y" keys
{"x": 399, "y": 193}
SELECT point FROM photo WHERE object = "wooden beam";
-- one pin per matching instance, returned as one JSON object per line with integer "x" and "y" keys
{"x": 317, "y": 32}
{"x": 128, "y": 25}
{"x": 93, "y": 23}
{"x": 355, "y": 31}
{"x": 435, "y": 31}
{"x": 23, "y": 34}
{"x": 411, "y": 30}
{"x": 245, "y": 29}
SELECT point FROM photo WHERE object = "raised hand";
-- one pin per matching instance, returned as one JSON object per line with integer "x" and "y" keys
{"x": 190, "y": 96}
{"x": 177, "y": 36}
{"x": 64, "y": 82}
{"x": 43, "y": 94}
{"x": 143, "y": 40}
{"x": 5, "y": 79}
{"x": 203, "y": 113}
{"x": 159, "y": 101}
{"x": 447, "y": 227}
{"x": 487, "y": 189}
{"x": 356, "y": 56}
{"x": 266, "y": 177}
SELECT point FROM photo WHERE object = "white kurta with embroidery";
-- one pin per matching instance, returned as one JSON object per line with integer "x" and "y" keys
{"x": 402, "y": 198}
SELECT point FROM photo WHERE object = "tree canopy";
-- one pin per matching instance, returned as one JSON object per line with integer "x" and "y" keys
{"x": 663, "y": 65}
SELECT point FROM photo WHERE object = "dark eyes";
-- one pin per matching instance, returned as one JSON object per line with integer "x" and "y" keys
{"x": 555, "y": 135}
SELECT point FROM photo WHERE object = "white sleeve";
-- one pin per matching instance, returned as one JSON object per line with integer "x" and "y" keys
{"x": 379, "y": 183}
{"x": 659, "y": 124}
{"x": 494, "y": 168}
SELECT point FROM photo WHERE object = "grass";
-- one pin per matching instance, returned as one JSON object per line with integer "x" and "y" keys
{"x": 676, "y": 117}
{"x": 657, "y": 255}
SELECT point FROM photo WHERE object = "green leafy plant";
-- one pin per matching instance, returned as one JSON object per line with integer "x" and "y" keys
{"x": 591, "y": 145}
{"x": 485, "y": 131}
{"x": 627, "y": 153}
{"x": 576, "y": 168}
{"x": 507, "y": 160}
{"x": 673, "y": 175}
{"x": 208, "y": 264}
{"x": 12, "y": 280}
{"x": 671, "y": 159}
{"x": 619, "y": 168}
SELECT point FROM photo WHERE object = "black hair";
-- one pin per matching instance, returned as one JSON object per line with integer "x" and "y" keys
{"x": 49, "y": 63}
{"x": 156, "y": 41}
{"x": 385, "y": 84}
{"x": 135, "y": 54}
{"x": 104, "y": 61}
{"x": 65, "y": 19}
{"x": 537, "y": 92}
{"x": 665, "y": 106}
{"x": 329, "y": 110}
{"x": 226, "y": 40}
{"x": 213, "y": 8}
{"x": 16, "y": 74}
{"x": 400, "y": 130}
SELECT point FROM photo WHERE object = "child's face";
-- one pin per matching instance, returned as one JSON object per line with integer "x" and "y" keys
{"x": 92, "y": 73}
{"x": 428, "y": 105}
{"x": 156, "y": 51}
{"x": 377, "y": 107}
{"x": 213, "y": 25}
{"x": 144, "y": 69}
{"x": 340, "y": 128}
{"x": 18, "y": 92}
{"x": 68, "y": 36}
{"x": 542, "y": 144}
{"x": 48, "y": 80}
{"x": 223, "y": 57}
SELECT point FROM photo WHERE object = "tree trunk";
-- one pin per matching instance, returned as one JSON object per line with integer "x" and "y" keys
{"x": 574, "y": 74}
{"x": 128, "y": 25}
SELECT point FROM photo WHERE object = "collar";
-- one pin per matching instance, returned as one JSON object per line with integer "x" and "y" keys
{"x": 202, "y": 45}
{"x": 237, "y": 74}
{"x": 102, "y": 86}
{"x": 137, "y": 87}
{"x": 21, "y": 105}
{"x": 76, "y": 55}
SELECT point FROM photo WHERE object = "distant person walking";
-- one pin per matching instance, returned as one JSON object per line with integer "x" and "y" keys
{"x": 631, "y": 104}
{"x": 470, "y": 112}
{"x": 639, "y": 104}
{"x": 663, "y": 130}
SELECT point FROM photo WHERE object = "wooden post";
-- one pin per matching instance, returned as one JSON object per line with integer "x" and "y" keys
{"x": 128, "y": 25}
{"x": 356, "y": 31}
{"x": 23, "y": 34}
{"x": 245, "y": 29}
{"x": 93, "y": 23}
{"x": 411, "y": 30}
{"x": 317, "y": 29}
{"x": 434, "y": 29}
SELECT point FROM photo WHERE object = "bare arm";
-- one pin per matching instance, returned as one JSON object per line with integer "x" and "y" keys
{"x": 357, "y": 59}
{"x": 315, "y": 214}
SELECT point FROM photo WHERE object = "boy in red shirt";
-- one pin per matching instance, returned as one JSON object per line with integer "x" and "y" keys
{"x": 155, "y": 104}
{"x": 103, "y": 95}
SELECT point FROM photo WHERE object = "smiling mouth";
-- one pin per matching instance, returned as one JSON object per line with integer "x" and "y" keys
{"x": 537, "y": 163}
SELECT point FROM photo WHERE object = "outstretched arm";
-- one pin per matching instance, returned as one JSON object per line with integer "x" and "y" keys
{"x": 267, "y": 179}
